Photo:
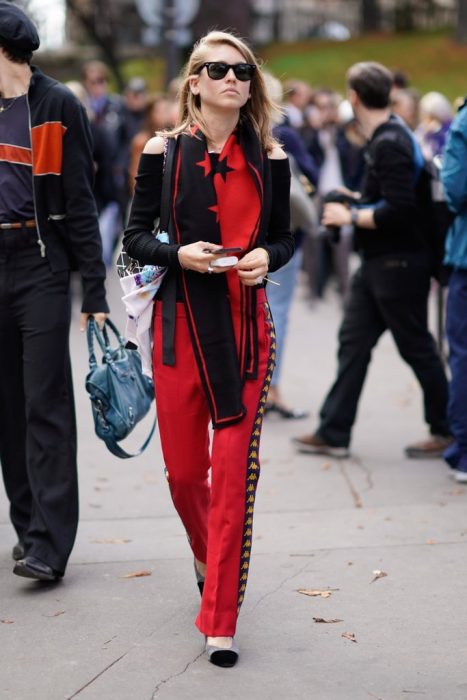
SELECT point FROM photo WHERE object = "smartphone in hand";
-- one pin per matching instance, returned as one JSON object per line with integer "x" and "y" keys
{"x": 223, "y": 251}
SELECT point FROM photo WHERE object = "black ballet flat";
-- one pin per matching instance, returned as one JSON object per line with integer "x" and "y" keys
{"x": 225, "y": 658}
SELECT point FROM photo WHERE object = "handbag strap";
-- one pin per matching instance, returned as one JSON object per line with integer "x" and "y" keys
{"x": 170, "y": 285}
{"x": 118, "y": 451}
{"x": 164, "y": 218}
{"x": 102, "y": 339}
{"x": 108, "y": 324}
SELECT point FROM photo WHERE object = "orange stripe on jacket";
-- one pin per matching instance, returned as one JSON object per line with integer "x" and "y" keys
{"x": 15, "y": 154}
{"x": 47, "y": 147}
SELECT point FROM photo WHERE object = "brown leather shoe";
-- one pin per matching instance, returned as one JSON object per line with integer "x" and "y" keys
{"x": 313, "y": 445}
{"x": 432, "y": 448}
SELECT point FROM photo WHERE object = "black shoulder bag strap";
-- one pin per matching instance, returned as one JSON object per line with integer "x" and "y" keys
{"x": 164, "y": 223}
{"x": 170, "y": 282}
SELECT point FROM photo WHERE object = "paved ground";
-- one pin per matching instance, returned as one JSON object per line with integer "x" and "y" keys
{"x": 320, "y": 524}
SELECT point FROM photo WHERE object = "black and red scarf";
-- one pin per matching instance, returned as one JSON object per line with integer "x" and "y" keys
{"x": 227, "y": 204}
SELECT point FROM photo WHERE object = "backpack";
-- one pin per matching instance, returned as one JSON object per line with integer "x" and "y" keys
{"x": 431, "y": 202}
{"x": 437, "y": 217}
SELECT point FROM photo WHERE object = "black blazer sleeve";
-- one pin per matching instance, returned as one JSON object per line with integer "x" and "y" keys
{"x": 81, "y": 214}
{"x": 279, "y": 240}
{"x": 139, "y": 240}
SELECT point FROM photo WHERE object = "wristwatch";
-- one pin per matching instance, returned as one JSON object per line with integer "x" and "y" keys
{"x": 354, "y": 216}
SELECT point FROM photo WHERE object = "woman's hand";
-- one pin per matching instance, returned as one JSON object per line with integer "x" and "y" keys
{"x": 194, "y": 257}
{"x": 98, "y": 317}
{"x": 253, "y": 267}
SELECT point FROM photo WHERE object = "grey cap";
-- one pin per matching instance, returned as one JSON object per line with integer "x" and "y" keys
{"x": 16, "y": 29}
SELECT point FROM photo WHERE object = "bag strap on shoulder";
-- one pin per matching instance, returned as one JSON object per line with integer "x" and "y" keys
{"x": 167, "y": 185}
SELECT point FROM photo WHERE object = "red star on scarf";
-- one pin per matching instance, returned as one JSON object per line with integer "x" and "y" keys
{"x": 206, "y": 164}
{"x": 215, "y": 209}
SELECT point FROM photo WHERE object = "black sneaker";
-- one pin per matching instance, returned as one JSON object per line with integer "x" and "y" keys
{"x": 313, "y": 445}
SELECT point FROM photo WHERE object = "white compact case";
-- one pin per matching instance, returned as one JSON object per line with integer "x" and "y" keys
{"x": 228, "y": 261}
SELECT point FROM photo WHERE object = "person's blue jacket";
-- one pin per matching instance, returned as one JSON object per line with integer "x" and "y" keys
{"x": 454, "y": 178}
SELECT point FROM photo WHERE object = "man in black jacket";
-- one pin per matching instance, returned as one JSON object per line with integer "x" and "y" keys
{"x": 48, "y": 223}
{"x": 390, "y": 289}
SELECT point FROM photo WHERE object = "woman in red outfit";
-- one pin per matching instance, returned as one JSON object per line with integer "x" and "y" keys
{"x": 214, "y": 348}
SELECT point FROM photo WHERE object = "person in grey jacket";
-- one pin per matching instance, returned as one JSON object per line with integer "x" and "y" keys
{"x": 454, "y": 177}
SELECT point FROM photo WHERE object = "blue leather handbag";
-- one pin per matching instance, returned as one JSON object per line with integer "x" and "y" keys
{"x": 121, "y": 395}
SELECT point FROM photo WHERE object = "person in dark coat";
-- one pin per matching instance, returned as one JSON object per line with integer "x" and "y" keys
{"x": 48, "y": 224}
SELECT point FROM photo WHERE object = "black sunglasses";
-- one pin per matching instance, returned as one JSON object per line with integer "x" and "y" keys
{"x": 218, "y": 70}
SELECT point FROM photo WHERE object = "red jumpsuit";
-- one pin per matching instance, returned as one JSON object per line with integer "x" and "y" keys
{"x": 217, "y": 516}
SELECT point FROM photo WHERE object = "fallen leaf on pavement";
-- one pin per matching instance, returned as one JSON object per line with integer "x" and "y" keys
{"x": 349, "y": 635}
{"x": 457, "y": 492}
{"x": 432, "y": 541}
{"x": 111, "y": 541}
{"x": 378, "y": 574}
{"x": 327, "y": 622}
{"x": 137, "y": 574}
{"x": 311, "y": 592}
{"x": 326, "y": 465}
{"x": 7, "y": 622}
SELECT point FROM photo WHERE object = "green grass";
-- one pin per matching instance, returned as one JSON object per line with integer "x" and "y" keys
{"x": 431, "y": 59}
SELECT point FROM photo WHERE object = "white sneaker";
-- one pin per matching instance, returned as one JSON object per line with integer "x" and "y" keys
{"x": 460, "y": 476}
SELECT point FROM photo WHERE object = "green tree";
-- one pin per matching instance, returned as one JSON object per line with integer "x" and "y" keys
{"x": 461, "y": 31}
{"x": 99, "y": 19}
{"x": 370, "y": 16}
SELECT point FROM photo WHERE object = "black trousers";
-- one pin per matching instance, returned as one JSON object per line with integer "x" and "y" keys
{"x": 387, "y": 293}
{"x": 37, "y": 416}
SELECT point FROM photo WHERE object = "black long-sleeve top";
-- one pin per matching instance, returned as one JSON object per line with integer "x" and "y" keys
{"x": 390, "y": 187}
{"x": 139, "y": 240}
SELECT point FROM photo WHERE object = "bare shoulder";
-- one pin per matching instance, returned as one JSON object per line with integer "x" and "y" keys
{"x": 155, "y": 145}
{"x": 277, "y": 153}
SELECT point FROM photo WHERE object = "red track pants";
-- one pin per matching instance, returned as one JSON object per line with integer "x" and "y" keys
{"x": 218, "y": 517}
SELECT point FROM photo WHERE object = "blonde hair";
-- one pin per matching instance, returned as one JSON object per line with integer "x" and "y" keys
{"x": 260, "y": 110}
{"x": 436, "y": 105}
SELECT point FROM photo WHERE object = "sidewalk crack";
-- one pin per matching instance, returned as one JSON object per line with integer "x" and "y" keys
{"x": 367, "y": 471}
{"x": 175, "y": 675}
{"x": 101, "y": 673}
{"x": 357, "y": 499}
{"x": 289, "y": 578}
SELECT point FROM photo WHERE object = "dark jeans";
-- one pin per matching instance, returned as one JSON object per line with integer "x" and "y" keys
{"x": 456, "y": 331}
{"x": 37, "y": 418}
{"x": 387, "y": 293}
